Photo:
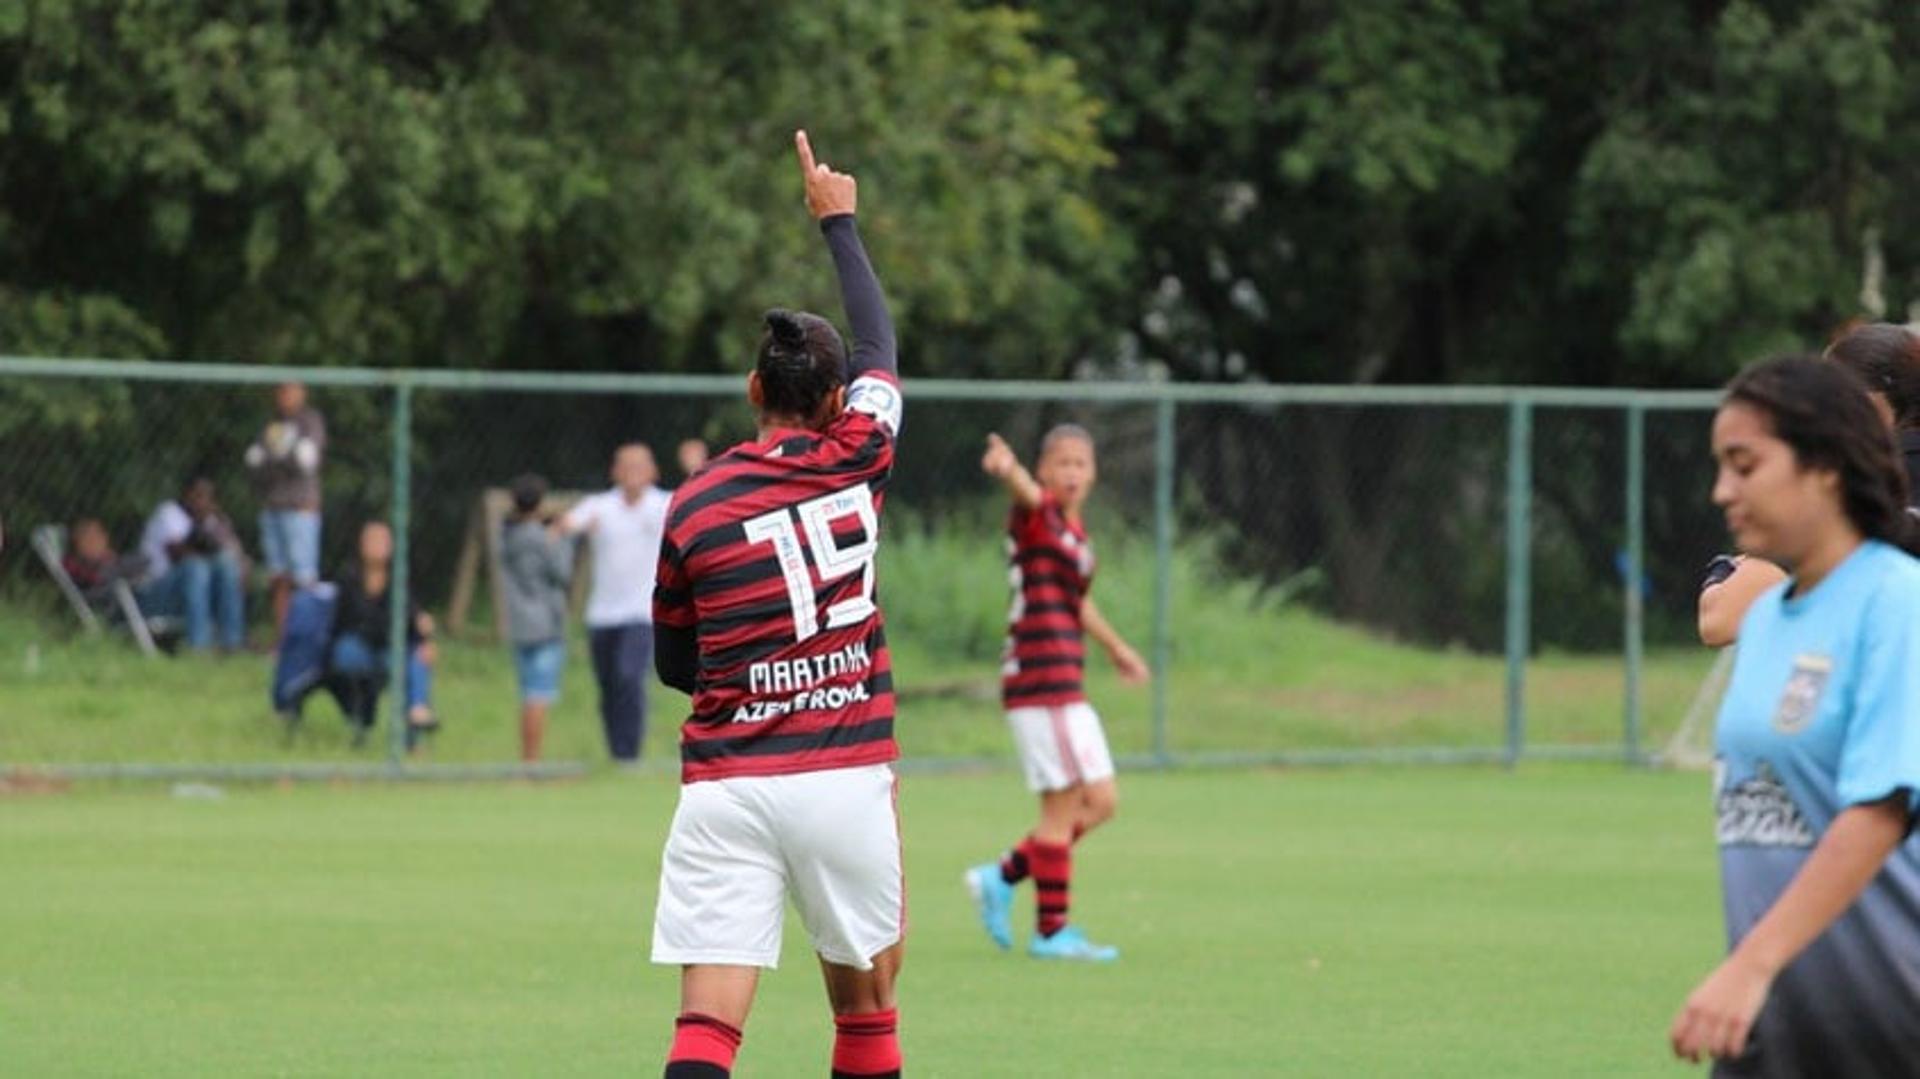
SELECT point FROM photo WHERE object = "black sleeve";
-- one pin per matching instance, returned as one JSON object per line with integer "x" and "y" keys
{"x": 676, "y": 656}
{"x": 874, "y": 349}
{"x": 1718, "y": 570}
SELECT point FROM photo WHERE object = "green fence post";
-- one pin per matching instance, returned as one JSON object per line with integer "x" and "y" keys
{"x": 1636, "y": 571}
{"x": 1519, "y": 569}
{"x": 1163, "y": 464}
{"x": 397, "y": 584}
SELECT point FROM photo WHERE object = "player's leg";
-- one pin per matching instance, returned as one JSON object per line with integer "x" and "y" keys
{"x": 1099, "y": 801}
{"x": 1066, "y": 815}
{"x": 714, "y": 1002}
{"x": 841, "y": 835}
{"x": 722, "y": 893}
{"x": 866, "y": 1016}
{"x": 992, "y": 884}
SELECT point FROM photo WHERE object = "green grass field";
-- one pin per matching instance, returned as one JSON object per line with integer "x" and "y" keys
{"x": 1465, "y": 922}
{"x": 1247, "y": 680}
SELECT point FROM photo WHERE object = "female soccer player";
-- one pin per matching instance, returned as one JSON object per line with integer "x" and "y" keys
{"x": 1818, "y": 748}
{"x": 1886, "y": 359}
{"x": 1062, "y": 746}
{"x": 765, "y": 614}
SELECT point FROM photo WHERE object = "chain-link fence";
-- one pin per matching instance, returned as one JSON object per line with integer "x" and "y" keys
{"x": 1316, "y": 573}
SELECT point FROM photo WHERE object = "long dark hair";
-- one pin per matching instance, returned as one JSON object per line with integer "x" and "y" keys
{"x": 801, "y": 361}
{"x": 1886, "y": 357}
{"x": 1822, "y": 411}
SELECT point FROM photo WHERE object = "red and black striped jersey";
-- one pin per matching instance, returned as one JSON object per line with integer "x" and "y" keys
{"x": 768, "y": 556}
{"x": 1051, "y": 565}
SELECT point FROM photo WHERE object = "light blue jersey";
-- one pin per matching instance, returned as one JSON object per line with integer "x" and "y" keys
{"x": 1823, "y": 713}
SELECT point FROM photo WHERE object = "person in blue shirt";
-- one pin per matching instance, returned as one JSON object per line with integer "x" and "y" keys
{"x": 1818, "y": 742}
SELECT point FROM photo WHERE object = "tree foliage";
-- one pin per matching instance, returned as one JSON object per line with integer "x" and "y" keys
{"x": 571, "y": 183}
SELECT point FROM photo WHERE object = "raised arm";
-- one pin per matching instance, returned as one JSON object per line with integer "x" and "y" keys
{"x": 1000, "y": 462}
{"x": 831, "y": 198}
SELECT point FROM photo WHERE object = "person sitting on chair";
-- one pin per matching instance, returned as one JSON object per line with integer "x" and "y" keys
{"x": 362, "y": 621}
{"x": 90, "y": 560}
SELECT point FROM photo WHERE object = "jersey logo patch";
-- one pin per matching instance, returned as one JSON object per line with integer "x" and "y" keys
{"x": 1800, "y": 701}
{"x": 1760, "y": 812}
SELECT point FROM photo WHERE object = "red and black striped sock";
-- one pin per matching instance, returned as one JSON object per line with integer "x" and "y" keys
{"x": 1052, "y": 874}
{"x": 867, "y": 1045}
{"x": 1018, "y": 862}
{"x": 703, "y": 1048}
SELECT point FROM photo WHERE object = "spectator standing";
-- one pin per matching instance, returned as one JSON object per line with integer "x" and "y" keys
{"x": 194, "y": 570}
{"x": 623, "y": 526}
{"x": 285, "y": 463}
{"x": 538, "y": 567}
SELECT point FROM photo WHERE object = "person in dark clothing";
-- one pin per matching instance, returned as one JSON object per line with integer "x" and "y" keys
{"x": 1886, "y": 356}
{"x": 362, "y": 627}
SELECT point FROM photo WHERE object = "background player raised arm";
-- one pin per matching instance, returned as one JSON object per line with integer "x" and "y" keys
{"x": 1062, "y": 746}
{"x": 1076, "y": 475}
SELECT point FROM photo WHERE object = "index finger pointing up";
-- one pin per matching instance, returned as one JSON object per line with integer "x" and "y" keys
{"x": 805, "y": 150}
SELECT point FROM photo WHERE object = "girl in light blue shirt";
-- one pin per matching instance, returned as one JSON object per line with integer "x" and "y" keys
{"x": 1818, "y": 743}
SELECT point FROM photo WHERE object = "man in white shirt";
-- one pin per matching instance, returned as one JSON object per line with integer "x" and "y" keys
{"x": 623, "y": 527}
{"x": 193, "y": 568}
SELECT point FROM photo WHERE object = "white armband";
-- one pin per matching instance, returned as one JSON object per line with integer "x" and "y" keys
{"x": 879, "y": 398}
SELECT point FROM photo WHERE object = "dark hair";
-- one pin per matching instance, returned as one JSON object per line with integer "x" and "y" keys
{"x": 529, "y": 490}
{"x": 1886, "y": 357}
{"x": 801, "y": 362}
{"x": 1822, "y": 411}
{"x": 1062, "y": 432}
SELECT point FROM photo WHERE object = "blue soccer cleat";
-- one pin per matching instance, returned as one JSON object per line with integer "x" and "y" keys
{"x": 1070, "y": 943}
{"x": 993, "y": 898}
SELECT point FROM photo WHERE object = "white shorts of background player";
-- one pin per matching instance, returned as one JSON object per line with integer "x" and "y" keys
{"x": 739, "y": 848}
{"x": 1060, "y": 747}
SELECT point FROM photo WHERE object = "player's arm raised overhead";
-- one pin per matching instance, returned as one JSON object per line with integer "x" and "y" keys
{"x": 1002, "y": 464}
{"x": 832, "y": 198}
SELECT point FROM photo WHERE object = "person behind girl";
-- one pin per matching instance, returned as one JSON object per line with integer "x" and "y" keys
{"x": 1817, "y": 744}
{"x": 1063, "y": 748}
{"x": 537, "y": 566}
{"x": 1886, "y": 359}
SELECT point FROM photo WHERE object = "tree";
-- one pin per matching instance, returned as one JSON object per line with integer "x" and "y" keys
{"x": 568, "y": 184}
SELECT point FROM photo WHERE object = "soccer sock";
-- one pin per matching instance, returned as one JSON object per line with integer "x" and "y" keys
{"x": 1018, "y": 862}
{"x": 1052, "y": 872}
{"x": 867, "y": 1045}
{"x": 703, "y": 1048}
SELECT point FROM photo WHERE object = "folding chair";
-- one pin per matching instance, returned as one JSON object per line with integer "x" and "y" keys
{"x": 50, "y": 543}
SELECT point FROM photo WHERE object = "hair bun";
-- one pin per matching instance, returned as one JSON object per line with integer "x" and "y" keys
{"x": 786, "y": 329}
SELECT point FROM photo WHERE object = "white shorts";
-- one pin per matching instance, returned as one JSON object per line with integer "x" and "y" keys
{"x": 739, "y": 847}
{"x": 1060, "y": 747}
